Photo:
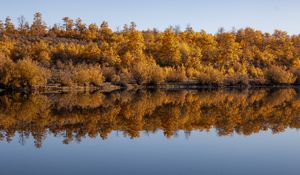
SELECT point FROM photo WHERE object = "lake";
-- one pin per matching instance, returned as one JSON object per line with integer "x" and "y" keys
{"x": 228, "y": 131}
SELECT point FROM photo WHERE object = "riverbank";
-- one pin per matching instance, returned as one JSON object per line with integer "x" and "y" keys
{"x": 109, "y": 87}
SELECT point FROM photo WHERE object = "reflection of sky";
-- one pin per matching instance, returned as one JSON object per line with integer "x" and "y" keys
{"x": 200, "y": 153}
{"x": 266, "y": 15}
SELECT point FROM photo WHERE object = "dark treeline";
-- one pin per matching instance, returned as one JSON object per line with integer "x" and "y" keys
{"x": 77, "y": 54}
{"x": 79, "y": 115}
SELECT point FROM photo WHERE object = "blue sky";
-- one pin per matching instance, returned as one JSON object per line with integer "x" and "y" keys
{"x": 209, "y": 15}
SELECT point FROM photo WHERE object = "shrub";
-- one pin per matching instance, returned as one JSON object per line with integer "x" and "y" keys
{"x": 277, "y": 75}
{"x": 237, "y": 79}
{"x": 87, "y": 75}
{"x": 95, "y": 75}
{"x": 40, "y": 52}
{"x": 6, "y": 68}
{"x": 63, "y": 73}
{"x": 23, "y": 73}
{"x": 258, "y": 81}
{"x": 146, "y": 72}
{"x": 296, "y": 72}
{"x": 175, "y": 74}
{"x": 28, "y": 73}
{"x": 81, "y": 74}
{"x": 211, "y": 76}
{"x": 156, "y": 75}
{"x": 140, "y": 72}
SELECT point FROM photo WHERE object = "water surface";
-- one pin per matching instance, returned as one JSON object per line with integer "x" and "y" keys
{"x": 159, "y": 132}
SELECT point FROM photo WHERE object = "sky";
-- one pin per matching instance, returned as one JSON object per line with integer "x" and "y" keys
{"x": 210, "y": 15}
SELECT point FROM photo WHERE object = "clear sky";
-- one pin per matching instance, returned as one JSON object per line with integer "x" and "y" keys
{"x": 209, "y": 15}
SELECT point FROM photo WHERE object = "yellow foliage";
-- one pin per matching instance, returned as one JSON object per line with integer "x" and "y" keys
{"x": 29, "y": 73}
{"x": 175, "y": 74}
{"x": 256, "y": 72}
{"x": 150, "y": 56}
{"x": 277, "y": 75}
{"x": 40, "y": 51}
{"x": 210, "y": 76}
{"x": 82, "y": 75}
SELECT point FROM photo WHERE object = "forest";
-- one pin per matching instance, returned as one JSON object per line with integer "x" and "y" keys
{"x": 78, "y": 54}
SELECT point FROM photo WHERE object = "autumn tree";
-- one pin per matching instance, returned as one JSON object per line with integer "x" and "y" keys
{"x": 228, "y": 50}
{"x": 9, "y": 26}
{"x": 191, "y": 52}
{"x": 282, "y": 47}
{"x": 23, "y": 26}
{"x": 169, "y": 53}
{"x": 38, "y": 27}
{"x": 68, "y": 23}
{"x": 1, "y": 27}
{"x": 108, "y": 45}
{"x": 131, "y": 56}
{"x": 133, "y": 46}
{"x": 91, "y": 32}
{"x": 79, "y": 25}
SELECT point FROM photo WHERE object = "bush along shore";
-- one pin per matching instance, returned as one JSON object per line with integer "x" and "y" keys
{"x": 83, "y": 56}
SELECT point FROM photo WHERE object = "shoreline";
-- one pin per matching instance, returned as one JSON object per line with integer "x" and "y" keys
{"x": 109, "y": 87}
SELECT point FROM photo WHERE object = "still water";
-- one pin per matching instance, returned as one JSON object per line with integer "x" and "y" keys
{"x": 160, "y": 132}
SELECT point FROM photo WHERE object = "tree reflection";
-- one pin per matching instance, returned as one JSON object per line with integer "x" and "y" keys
{"x": 78, "y": 115}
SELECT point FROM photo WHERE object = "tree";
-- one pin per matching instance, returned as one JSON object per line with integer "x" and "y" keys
{"x": 91, "y": 33}
{"x": 282, "y": 47}
{"x": 109, "y": 54}
{"x": 68, "y": 23}
{"x": 79, "y": 25}
{"x": 9, "y": 26}
{"x": 133, "y": 44}
{"x": 169, "y": 53}
{"x": 228, "y": 51}
{"x": 1, "y": 27}
{"x": 105, "y": 33}
{"x": 23, "y": 25}
{"x": 208, "y": 44}
{"x": 251, "y": 42}
{"x": 38, "y": 27}
{"x": 153, "y": 56}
